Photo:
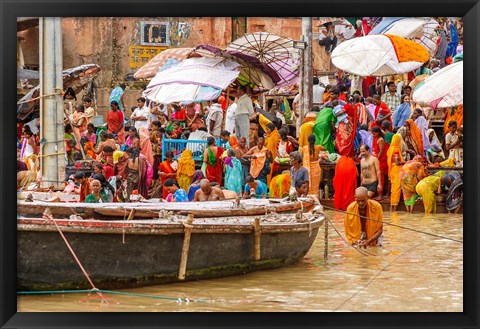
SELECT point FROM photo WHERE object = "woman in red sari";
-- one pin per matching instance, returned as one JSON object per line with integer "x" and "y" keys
{"x": 115, "y": 122}
{"x": 346, "y": 131}
{"x": 379, "y": 150}
{"x": 344, "y": 182}
{"x": 211, "y": 157}
{"x": 165, "y": 171}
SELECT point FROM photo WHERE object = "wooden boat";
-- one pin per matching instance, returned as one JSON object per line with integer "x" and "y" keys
{"x": 124, "y": 253}
{"x": 149, "y": 210}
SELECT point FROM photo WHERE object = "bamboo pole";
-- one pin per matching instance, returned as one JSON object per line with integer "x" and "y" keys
{"x": 256, "y": 229}
{"x": 186, "y": 246}
{"x": 132, "y": 214}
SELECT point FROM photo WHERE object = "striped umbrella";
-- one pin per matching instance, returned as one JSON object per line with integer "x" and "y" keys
{"x": 151, "y": 68}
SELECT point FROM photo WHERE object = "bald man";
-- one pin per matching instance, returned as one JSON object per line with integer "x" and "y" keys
{"x": 363, "y": 221}
{"x": 207, "y": 192}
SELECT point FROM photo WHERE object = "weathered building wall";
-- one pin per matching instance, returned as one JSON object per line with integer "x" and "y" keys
{"x": 106, "y": 40}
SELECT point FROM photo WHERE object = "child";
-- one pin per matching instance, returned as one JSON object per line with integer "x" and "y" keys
{"x": 342, "y": 117}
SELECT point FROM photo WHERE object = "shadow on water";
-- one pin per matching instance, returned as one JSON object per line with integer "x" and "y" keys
{"x": 412, "y": 272}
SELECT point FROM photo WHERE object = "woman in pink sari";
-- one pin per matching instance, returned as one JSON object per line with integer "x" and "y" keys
{"x": 346, "y": 132}
{"x": 145, "y": 144}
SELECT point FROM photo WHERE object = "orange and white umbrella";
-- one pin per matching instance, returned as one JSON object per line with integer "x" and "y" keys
{"x": 150, "y": 69}
{"x": 379, "y": 55}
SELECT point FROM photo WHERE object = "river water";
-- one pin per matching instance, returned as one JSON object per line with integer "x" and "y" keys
{"x": 412, "y": 272}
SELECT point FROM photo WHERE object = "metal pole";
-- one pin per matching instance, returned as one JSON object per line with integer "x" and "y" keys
{"x": 307, "y": 66}
{"x": 51, "y": 107}
{"x": 325, "y": 250}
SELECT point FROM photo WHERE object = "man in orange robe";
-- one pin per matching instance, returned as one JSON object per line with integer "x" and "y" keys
{"x": 363, "y": 221}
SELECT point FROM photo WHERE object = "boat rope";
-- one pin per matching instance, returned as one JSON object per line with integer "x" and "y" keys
{"x": 375, "y": 276}
{"x": 363, "y": 252}
{"x": 56, "y": 292}
{"x": 395, "y": 225}
{"x": 49, "y": 217}
{"x": 123, "y": 226}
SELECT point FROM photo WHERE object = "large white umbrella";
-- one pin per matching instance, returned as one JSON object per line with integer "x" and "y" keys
{"x": 195, "y": 79}
{"x": 379, "y": 55}
{"x": 442, "y": 89}
{"x": 151, "y": 68}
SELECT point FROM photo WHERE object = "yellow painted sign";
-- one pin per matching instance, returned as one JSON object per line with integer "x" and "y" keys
{"x": 140, "y": 55}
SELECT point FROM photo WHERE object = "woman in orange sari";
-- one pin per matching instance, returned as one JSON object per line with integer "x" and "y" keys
{"x": 413, "y": 138}
{"x": 165, "y": 171}
{"x": 344, "y": 182}
{"x": 212, "y": 158}
{"x": 311, "y": 154}
{"x": 395, "y": 162}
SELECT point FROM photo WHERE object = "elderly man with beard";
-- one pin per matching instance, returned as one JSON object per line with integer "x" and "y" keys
{"x": 363, "y": 221}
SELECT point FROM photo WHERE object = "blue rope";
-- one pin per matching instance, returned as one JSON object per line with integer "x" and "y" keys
{"x": 53, "y": 292}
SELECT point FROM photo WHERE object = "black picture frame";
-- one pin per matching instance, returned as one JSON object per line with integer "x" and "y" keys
{"x": 9, "y": 10}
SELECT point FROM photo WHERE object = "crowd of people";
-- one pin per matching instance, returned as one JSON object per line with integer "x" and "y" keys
{"x": 369, "y": 127}
{"x": 382, "y": 143}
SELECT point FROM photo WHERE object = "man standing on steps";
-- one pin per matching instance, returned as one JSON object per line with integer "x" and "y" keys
{"x": 317, "y": 92}
{"x": 364, "y": 220}
{"x": 243, "y": 113}
{"x": 370, "y": 172}
{"x": 391, "y": 98}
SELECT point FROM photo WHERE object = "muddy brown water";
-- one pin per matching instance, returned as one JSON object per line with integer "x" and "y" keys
{"x": 412, "y": 272}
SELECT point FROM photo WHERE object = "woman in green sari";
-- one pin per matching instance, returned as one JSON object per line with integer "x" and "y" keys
{"x": 324, "y": 125}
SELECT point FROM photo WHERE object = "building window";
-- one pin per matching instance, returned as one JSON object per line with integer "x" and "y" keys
{"x": 155, "y": 33}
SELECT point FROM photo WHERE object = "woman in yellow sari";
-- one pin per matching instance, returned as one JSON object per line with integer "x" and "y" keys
{"x": 280, "y": 185}
{"x": 26, "y": 177}
{"x": 395, "y": 162}
{"x": 271, "y": 142}
{"x": 411, "y": 173}
{"x": 453, "y": 113}
{"x": 311, "y": 154}
{"x": 426, "y": 188}
{"x": 186, "y": 168}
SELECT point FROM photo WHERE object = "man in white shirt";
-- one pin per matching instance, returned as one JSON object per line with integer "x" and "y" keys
{"x": 243, "y": 113}
{"x": 230, "y": 116}
{"x": 141, "y": 114}
{"x": 317, "y": 92}
{"x": 214, "y": 119}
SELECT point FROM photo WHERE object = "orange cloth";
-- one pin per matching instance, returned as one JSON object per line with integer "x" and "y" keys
{"x": 353, "y": 226}
{"x": 256, "y": 165}
{"x": 417, "y": 138}
{"x": 453, "y": 113}
{"x": 407, "y": 50}
{"x": 344, "y": 182}
{"x": 233, "y": 141}
{"x": 145, "y": 144}
{"x": 394, "y": 170}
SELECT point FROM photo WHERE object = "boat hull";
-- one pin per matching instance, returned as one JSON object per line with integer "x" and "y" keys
{"x": 127, "y": 254}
